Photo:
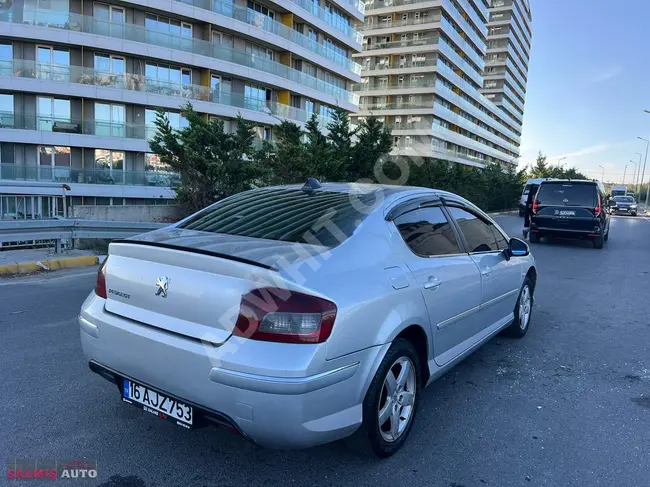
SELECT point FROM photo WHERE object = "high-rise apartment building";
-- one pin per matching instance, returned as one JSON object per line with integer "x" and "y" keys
{"x": 423, "y": 73}
{"x": 508, "y": 54}
{"x": 80, "y": 81}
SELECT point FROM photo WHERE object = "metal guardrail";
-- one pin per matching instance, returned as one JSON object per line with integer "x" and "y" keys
{"x": 62, "y": 229}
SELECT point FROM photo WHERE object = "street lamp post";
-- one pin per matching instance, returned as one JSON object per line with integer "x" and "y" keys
{"x": 602, "y": 174}
{"x": 638, "y": 171}
{"x": 647, "y": 143}
{"x": 633, "y": 172}
{"x": 560, "y": 160}
{"x": 624, "y": 173}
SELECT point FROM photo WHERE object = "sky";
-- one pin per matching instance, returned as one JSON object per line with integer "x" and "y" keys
{"x": 588, "y": 84}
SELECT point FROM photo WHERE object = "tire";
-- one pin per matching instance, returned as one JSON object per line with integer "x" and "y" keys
{"x": 598, "y": 242}
{"x": 606, "y": 237}
{"x": 520, "y": 325}
{"x": 373, "y": 436}
{"x": 633, "y": 214}
{"x": 534, "y": 237}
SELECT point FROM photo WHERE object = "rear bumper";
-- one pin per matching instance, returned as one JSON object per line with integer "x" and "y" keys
{"x": 298, "y": 401}
{"x": 566, "y": 232}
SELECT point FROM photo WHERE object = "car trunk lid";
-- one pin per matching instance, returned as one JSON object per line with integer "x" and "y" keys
{"x": 567, "y": 206}
{"x": 189, "y": 282}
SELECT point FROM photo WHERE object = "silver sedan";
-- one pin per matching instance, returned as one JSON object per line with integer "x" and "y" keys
{"x": 299, "y": 315}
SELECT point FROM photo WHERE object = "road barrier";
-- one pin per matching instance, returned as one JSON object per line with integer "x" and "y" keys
{"x": 57, "y": 230}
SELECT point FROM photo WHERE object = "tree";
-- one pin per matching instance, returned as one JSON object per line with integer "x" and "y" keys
{"x": 374, "y": 141}
{"x": 340, "y": 146}
{"x": 290, "y": 163}
{"x": 317, "y": 153}
{"x": 211, "y": 162}
{"x": 540, "y": 169}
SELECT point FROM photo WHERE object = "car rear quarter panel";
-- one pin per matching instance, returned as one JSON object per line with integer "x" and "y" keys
{"x": 371, "y": 311}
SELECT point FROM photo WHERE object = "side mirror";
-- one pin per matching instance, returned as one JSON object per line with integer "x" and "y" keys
{"x": 518, "y": 248}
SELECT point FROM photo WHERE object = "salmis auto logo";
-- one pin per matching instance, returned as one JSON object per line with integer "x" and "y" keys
{"x": 51, "y": 469}
{"x": 76, "y": 469}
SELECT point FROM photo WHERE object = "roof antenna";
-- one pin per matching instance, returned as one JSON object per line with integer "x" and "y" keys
{"x": 311, "y": 184}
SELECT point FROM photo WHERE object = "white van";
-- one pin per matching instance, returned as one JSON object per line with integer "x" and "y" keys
{"x": 531, "y": 185}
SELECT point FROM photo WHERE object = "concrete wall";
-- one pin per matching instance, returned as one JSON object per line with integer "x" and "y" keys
{"x": 158, "y": 213}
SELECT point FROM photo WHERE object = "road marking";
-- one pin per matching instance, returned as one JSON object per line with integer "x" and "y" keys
{"x": 14, "y": 281}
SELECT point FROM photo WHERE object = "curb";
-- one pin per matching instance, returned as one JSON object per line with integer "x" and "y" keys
{"x": 47, "y": 265}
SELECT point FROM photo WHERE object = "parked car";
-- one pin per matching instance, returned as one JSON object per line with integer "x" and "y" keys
{"x": 532, "y": 185}
{"x": 571, "y": 209}
{"x": 298, "y": 315}
{"x": 623, "y": 204}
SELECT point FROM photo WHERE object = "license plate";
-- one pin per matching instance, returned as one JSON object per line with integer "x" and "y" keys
{"x": 567, "y": 213}
{"x": 154, "y": 402}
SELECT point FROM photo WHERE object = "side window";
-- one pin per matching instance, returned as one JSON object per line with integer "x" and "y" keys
{"x": 478, "y": 234}
{"x": 502, "y": 241}
{"x": 427, "y": 232}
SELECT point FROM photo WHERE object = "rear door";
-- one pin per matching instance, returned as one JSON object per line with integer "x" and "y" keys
{"x": 567, "y": 206}
{"x": 448, "y": 278}
{"x": 500, "y": 276}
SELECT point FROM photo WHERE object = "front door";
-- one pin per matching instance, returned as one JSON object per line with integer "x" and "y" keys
{"x": 500, "y": 276}
{"x": 449, "y": 280}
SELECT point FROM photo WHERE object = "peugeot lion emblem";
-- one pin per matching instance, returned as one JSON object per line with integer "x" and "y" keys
{"x": 163, "y": 284}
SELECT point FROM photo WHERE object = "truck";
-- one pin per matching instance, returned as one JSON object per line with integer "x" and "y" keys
{"x": 619, "y": 191}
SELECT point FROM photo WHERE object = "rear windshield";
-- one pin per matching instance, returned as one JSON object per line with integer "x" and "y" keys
{"x": 290, "y": 215}
{"x": 624, "y": 199}
{"x": 527, "y": 189}
{"x": 567, "y": 194}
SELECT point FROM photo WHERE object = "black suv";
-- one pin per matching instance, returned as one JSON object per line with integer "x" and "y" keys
{"x": 569, "y": 208}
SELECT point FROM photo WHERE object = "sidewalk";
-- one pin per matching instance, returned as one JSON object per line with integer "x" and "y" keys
{"x": 29, "y": 261}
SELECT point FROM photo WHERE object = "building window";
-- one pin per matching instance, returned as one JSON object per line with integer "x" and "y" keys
{"x": 166, "y": 25}
{"x": 109, "y": 13}
{"x": 176, "y": 120}
{"x": 256, "y": 96}
{"x": 326, "y": 112}
{"x": 261, "y": 9}
{"x": 6, "y": 53}
{"x": 109, "y": 166}
{"x": 309, "y": 106}
{"x": 220, "y": 89}
{"x": 53, "y": 63}
{"x": 156, "y": 173}
{"x": 106, "y": 63}
{"x": 330, "y": 44}
{"x": 166, "y": 79}
{"x": 259, "y": 52}
{"x": 54, "y": 163}
{"x": 295, "y": 101}
{"x": 222, "y": 39}
{"x": 109, "y": 120}
{"x": 51, "y": 111}
{"x": 263, "y": 132}
{"x": 6, "y": 110}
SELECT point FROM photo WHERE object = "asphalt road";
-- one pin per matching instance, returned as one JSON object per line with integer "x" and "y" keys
{"x": 569, "y": 405}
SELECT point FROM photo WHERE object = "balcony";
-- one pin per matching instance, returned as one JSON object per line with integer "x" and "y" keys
{"x": 106, "y": 175}
{"x": 463, "y": 44}
{"x": 332, "y": 20}
{"x": 479, "y": 23}
{"x": 433, "y": 40}
{"x": 474, "y": 93}
{"x": 511, "y": 109}
{"x": 135, "y": 82}
{"x": 472, "y": 144}
{"x": 266, "y": 23}
{"x": 470, "y": 126}
{"x": 403, "y": 105}
{"x": 511, "y": 94}
{"x": 132, "y": 32}
{"x": 462, "y": 103}
{"x": 407, "y": 84}
{"x": 456, "y": 59}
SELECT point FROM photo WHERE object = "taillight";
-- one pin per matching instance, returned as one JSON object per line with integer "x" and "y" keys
{"x": 597, "y": 209}
{"x": 100, "y": 285}
{"x": 535, "y": 206}
{"x": 281, "y": 315}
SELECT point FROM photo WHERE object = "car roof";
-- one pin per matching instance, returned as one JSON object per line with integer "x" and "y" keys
{"x": 581, "y": 181}
{"x": 389, "y": 192}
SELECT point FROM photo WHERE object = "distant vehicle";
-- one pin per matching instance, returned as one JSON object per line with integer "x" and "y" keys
{"x": 570, "y": 209}
{"x": 255, "y": 315}
{"x": 623, "y": 204}
{"x": 619, "y": 191}
{"x": 531, "y": 185}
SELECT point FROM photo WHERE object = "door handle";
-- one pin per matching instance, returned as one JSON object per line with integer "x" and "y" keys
{"x": 432, "y": 283}
{"x": 486, "y": 271}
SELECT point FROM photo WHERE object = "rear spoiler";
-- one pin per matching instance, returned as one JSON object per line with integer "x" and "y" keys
{"x": 196, "y": 251}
